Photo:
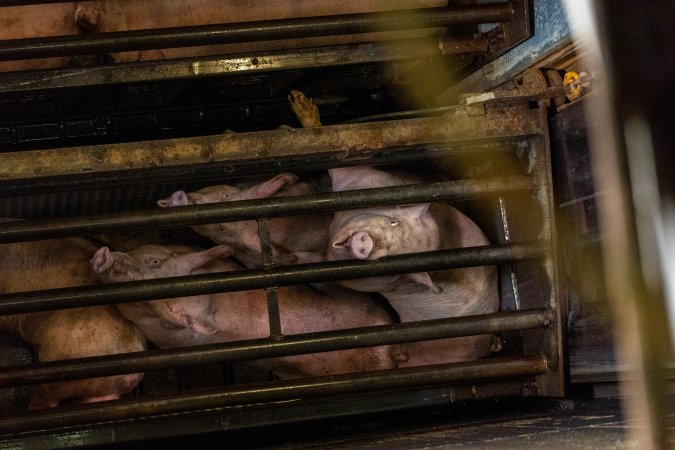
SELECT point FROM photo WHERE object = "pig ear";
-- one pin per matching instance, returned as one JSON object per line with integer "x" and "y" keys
{"x": 102, "y": 260}
{"x": 181, "y": 317}
{"x": 196, "y": 260}
{"x": 417, "y": 210}
{"x": 87, "y": 16}
{"x": 204, "y": 327}
{"x": 273, "y": 185}
{"x": 178, "y": 198}
{"x": 423, "y": 278}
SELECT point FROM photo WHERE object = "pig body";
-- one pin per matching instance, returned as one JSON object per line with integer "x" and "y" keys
{"x": 20, "y": 22}
{"x": 393, "y": 230}
{"x": 124, "y": 15}
{"x": 225, "y": 317}
{"x": 377, "y": 232}
{"x": 70, "y": 333}
{"x": 288, "y": 235}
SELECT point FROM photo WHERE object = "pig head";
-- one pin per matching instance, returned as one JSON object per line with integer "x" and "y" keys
{"x": 167, "y": 323}
{"x": 288, "y": 235}
{"x": 231, "y": 316}
{"x": 377, "y": 232}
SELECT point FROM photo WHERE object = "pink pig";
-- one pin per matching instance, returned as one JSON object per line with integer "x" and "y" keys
{"x": 288, "y": 235}
{"x": 231, "y": 316}
{"x": 69, "y": 333}
{"x": 393, "y": 230}
{"x": 377, "y": 232}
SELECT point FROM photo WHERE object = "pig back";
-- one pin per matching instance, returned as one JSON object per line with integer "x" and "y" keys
{"x": 19, "y": 22}
{"x": 122, "y": 15}
{"x": 37, "y": 265}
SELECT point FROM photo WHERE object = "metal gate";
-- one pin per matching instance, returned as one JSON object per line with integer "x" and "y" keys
{"x": 491, "y": 153}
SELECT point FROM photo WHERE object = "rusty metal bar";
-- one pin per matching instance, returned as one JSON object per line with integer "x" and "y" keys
{"x": 464, "y": 45}
{"x": 281, "y": 390}
{"x": 199, "y": 67}
{"x": 271, "y": 292}
{"x": 274, "y": 347}
{"x": 253, "y": 209}
{"x": 239, "y": 280}
{"x": 337, "y": 143}
{"x": 254, "y": 31}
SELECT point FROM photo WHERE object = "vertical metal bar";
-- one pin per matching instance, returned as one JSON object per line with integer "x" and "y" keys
{"x": 507, "y": 239}
{"x": 551, "y": 384}
{"x": 270, "y": 292}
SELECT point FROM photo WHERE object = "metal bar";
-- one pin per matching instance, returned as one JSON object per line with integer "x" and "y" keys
{"x": 252, "y": 209}
{"x": 198, "y": 67}
{"x": 254, "y": 31}
{"x": 30, "y": 2}
{"x": 238, "y": 418}
{"x": 341, "y": 143}
{"x": 213, "y": 172}
{"x": 281, "y": 390}
{"x": 133, "y": 291}
{"x": 254, "y": 349}
{"x": 464, "y": 45}
{"x": 271, "y": 292}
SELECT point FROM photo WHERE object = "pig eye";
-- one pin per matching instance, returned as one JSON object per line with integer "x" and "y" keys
{"x": 154, "y": 262}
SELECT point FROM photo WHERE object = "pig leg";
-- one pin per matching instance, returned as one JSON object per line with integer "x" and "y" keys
{"x": 42, "y": 398}
{"x": 305, "y": 109}
{"x": 102, "y": 398}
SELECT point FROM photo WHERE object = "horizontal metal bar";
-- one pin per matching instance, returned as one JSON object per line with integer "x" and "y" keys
{"x": 30, "y": 2}
{"x": 273, "y": 347}
{"x": 268, "y": 392}
{"x": 254, "y": 209}
{"x": 133, "y": 291}
{"x": 333, "y": 143}
{"x": 173, "y": 69}
{"x": 238, "y": 417}
{"x": 254, "y": 31}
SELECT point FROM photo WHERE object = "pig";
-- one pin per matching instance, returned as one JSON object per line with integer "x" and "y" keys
{"x": 242, "y": 236}
{"x": 376, "y": 232}
{"x": 20, "y": 22}
{"x": 123, "y": 15}
{"x": 230, "y": 316}
{"x": 70, "y": 333}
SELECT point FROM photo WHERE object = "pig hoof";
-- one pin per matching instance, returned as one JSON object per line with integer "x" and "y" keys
{"x": 495, "y": 344}
{"x": 305, "y": 109}
{"x": 401, "y": 357}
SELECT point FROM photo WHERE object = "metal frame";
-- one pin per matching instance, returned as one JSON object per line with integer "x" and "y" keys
{"x": 538, "y": 372}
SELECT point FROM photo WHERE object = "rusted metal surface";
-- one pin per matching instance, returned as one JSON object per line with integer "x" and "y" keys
{"x": 278, "y": 391}
{"x": 344, "y": 143}
{"x": 464, "y": 45}
{"x": 275, "y": 346}
{"x": 218, "y": 65}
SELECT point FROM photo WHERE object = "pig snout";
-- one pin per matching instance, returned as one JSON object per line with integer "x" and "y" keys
{"x": 359, "y": 244}
{"x": 102, "y": 260}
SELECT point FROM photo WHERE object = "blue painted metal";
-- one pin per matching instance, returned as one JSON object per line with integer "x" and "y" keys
{"x": 552, "y": 31}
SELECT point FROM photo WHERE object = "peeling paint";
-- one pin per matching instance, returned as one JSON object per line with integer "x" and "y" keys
{"x": 551, "y": 30}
